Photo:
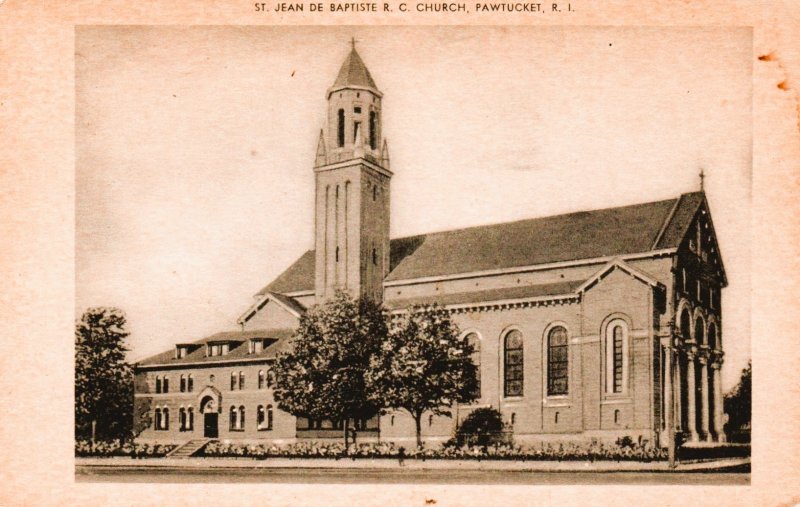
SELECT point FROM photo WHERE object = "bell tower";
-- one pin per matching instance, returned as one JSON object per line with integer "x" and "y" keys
{"x": 352, "y": 179}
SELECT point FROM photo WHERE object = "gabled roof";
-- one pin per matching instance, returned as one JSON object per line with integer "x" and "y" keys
{"x": 299, "y": 277}
{"x": 354, "y": 73}
{"x": 287, "y": 303}
{"x": 277, "y": 339}
{"x": 610, "y": 232}
{"x": 675, "y": 228}
{"x": 625, "y": 268}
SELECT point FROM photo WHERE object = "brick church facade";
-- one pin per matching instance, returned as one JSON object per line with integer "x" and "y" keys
{"x": 596, "y": 324}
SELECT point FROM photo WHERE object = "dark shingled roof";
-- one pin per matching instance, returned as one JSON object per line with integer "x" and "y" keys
{"x": 574, "y": 236}
{"x": 238, "y": 348}
{"x": 354, "y": 73}
{"x": 485, "y": 296}
{"x": 681, "y": 220}
{"x": 299, "y": 276}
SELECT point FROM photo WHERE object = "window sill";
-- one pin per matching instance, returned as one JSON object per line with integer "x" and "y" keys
{"x": 236, "y": 429}
{"x": 513, "y": 399}
{"x": 264, "y": 429}
{"x": 612, "y": 401}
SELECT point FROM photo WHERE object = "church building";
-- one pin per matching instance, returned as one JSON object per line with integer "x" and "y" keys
{"x": 590, "y": 325}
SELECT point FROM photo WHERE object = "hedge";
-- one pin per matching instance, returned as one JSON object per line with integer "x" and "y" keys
{"x": 593, "y": 451}
{"x": 83, "y": 448}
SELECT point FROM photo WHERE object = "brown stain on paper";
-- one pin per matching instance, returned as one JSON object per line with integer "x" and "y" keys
{"x": 784, "y": 84}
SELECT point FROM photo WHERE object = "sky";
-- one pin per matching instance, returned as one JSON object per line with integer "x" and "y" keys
{"x": 195, "y": 148}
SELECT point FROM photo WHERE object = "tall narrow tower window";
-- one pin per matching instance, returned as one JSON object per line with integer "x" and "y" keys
{"x": 337, "y": 254}
{"x": 340, "y": 140}
{"x": 356, "y": 131}
{"x": 373, "y": 130}
{"x": 374, "y": 256}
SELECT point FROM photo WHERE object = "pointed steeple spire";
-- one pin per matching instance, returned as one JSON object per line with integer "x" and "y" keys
{"x": 385, "y": 155}
{"x": 354, "y": 74}
{"x": 322, "y": 152}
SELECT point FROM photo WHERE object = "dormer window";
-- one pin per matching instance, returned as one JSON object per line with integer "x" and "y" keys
{"x": 217, "y": 349}
{"x": 181, "y": 351}
{"x": 257, "y": 345}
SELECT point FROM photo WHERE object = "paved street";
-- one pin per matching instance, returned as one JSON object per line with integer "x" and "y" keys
{"x": 401, "y": 476}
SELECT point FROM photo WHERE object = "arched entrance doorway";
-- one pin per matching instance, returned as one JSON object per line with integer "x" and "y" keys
{"x": 209, "y": 407}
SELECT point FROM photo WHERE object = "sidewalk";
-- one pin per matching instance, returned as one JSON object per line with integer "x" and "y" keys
{"x": 410, "y": 464}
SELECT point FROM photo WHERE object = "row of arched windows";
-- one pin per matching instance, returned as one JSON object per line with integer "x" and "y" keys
{"x": 237, "y": 380}
{"x": 185, "y": 419}
{"x": 264, "y": 417}
{"x": 161, "y": 419}
{"x": 162, "y": 384}
{"x": 373, "y": 127}
{"x": 615, "y": 343}
{"x": 701, "y": 335}
{"x": 186, "y": 384}
{"x": 265, "y": 379}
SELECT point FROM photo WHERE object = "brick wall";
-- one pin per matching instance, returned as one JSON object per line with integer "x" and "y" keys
{"x": 250, "y": 397}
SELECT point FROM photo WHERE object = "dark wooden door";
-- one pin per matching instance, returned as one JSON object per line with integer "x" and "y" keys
{"x": 210, "y": 429}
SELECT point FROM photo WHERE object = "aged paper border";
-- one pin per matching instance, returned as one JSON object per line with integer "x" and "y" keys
{"x": 37, "y": 254}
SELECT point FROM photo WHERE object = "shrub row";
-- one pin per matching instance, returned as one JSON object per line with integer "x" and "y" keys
{"x": 593, "y": 451}
{"x": 83, "y": 448}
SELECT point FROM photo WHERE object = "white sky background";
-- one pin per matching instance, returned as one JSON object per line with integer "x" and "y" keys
{"x": 195, "y": 149}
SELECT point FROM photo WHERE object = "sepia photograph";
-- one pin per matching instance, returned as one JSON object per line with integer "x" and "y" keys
{"x": 384, "y": 254}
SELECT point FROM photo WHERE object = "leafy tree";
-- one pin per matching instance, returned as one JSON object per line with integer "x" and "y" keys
{"x": 103, "y": 380}
{"x": 738, "y": 402}
{"x": 423, "y": 366}
{"x": 483, "y": 426}
{"x": 322, "y": 376}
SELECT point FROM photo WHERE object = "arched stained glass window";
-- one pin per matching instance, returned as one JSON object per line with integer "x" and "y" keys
{"x": 513, "y": 363}
{"x": 557, "y": 362}
{"x": 616, "y": 344}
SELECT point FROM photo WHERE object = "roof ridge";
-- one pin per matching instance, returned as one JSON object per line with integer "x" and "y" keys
{"x": 544, "y": 217}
